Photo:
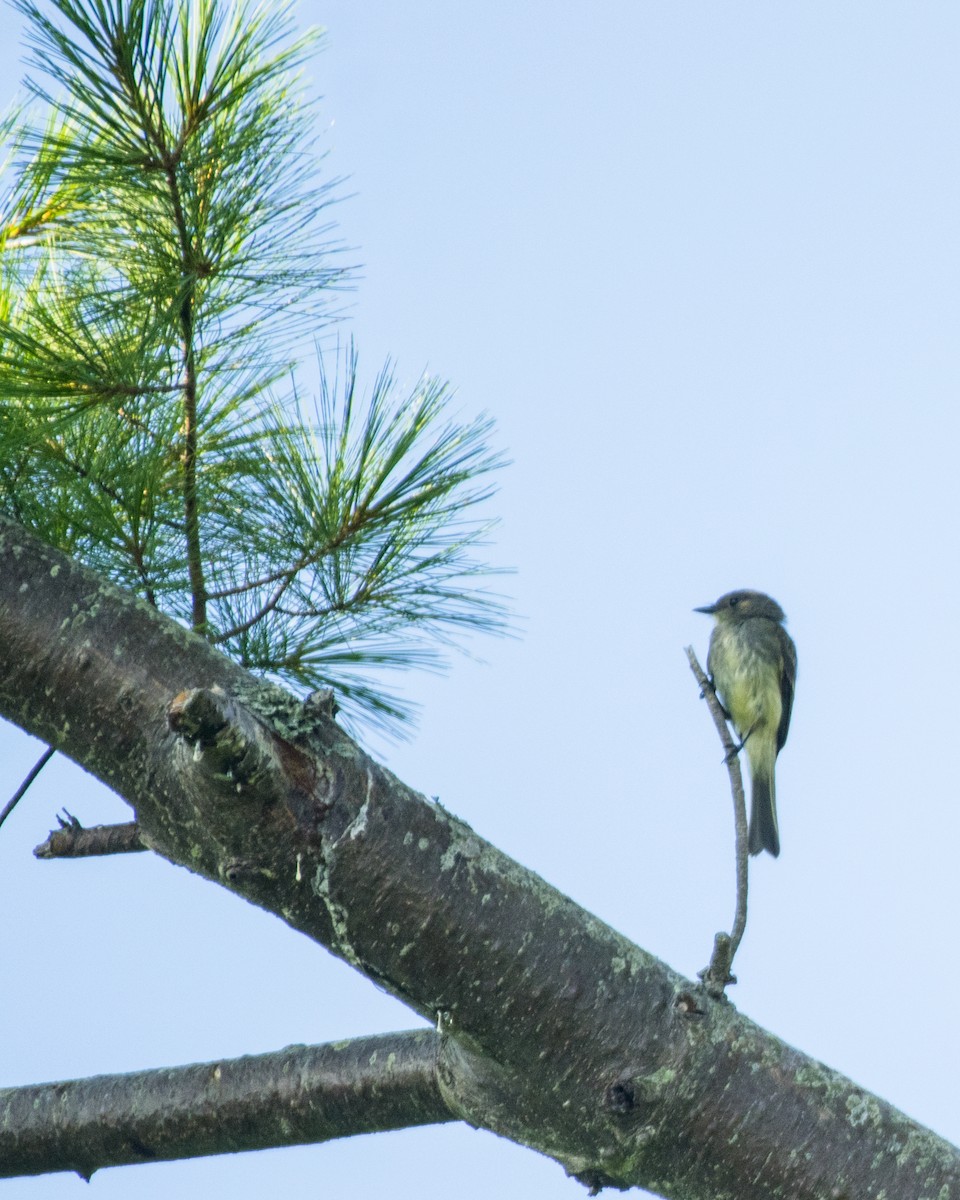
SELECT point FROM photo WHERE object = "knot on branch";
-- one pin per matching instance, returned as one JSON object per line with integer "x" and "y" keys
{"x": 323, "y": 702}
{"x": 716, "y": 977}
{"x": 231, "y": 746}
{"x": 619, "y": 1098}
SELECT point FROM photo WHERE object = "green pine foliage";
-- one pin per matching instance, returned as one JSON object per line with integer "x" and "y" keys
{"x": 165, "y": 254}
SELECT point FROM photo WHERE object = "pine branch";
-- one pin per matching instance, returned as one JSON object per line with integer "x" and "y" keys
{"x": 162, "y": 260}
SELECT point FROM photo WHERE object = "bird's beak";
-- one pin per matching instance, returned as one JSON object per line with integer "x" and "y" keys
{"x": 709, "y": 609}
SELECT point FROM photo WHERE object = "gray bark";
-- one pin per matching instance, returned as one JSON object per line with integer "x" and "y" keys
{"x": 300, "y": 1095}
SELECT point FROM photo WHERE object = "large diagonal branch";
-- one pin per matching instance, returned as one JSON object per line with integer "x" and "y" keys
{"x": 555, "y": 1031}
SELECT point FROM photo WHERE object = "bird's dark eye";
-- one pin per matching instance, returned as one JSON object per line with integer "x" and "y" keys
{"x": 733, "y": 601}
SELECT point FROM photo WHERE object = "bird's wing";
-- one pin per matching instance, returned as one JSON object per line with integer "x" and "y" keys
{"x": 788, "y": 677}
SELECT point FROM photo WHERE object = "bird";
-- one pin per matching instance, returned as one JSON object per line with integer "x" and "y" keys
{"x": 752, "y": 662}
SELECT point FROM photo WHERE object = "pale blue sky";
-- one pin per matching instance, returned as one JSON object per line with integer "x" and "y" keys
{"x": 700, "y": 262}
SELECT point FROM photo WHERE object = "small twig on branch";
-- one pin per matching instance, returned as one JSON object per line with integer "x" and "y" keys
{"x": 717, "y": 975}
{"x": 73, "y": 841}
{"x": 22, "y": 789}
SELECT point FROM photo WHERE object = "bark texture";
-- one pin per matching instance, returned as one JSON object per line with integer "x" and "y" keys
{"x": 292, "y": 1097}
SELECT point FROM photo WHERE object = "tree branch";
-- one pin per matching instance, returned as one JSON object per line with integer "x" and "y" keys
{"x": 292, "y": 1097}
{"x": 72, "y": 840}
{"x": 717, "y": 975}
{"x": 25, "y": 786}
{"x": 556, "y": 1031}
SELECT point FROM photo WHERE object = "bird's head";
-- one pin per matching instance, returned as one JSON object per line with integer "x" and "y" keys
{"x": 742, "y": 605}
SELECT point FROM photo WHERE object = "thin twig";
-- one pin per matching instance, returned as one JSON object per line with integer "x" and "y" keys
{"x": 22, "y": 789}
{"x": 717, "y": 975}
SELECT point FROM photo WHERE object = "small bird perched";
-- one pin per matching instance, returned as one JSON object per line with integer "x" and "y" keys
{"x": 753, "y": 664}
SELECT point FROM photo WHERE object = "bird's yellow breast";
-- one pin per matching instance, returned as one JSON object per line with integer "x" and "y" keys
{"x": 747, "y": 679}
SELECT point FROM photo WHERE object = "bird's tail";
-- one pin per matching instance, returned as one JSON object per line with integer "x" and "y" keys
{"x": 764, "y": 832}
